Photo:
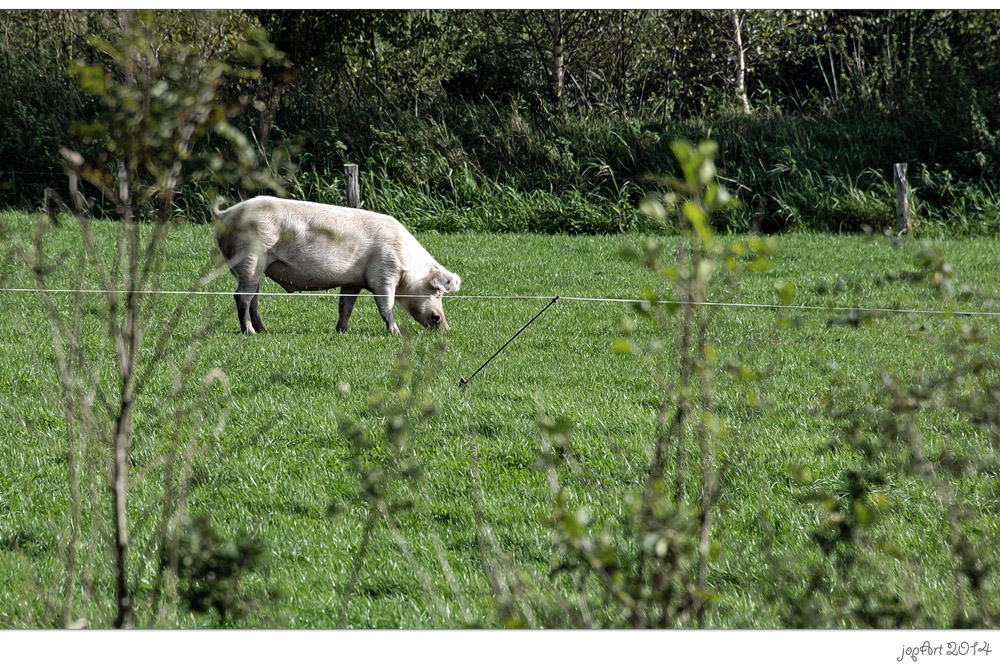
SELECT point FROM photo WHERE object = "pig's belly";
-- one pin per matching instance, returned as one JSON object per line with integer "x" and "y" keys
{"x": 311, "y": 278}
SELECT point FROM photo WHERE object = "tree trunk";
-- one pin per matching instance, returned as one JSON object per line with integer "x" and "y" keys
{"x": 269, "y": 95}
{"x": 119, "y": 493}
{"x": 378, "y": 72}
{"x": 620, "y": 69}
{"x": 558, "y": 72}
{"x": 672, "y": 71}
{"x": 127, "y": 344}
{"x": 741, "y": 63}
{"x": 126, "y": 340}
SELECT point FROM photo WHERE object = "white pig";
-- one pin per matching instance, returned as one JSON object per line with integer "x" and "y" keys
{"x": 304, "y": 246}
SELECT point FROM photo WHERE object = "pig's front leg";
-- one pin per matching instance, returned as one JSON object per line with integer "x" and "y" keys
{"x": 384, "y": 301}
{"x": 382, "y": 284}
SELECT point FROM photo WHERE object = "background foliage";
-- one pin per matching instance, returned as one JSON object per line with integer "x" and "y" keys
{"x": 551, "y": 118}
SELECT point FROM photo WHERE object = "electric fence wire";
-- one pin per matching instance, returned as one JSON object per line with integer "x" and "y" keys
{"x": 515, "y": 297}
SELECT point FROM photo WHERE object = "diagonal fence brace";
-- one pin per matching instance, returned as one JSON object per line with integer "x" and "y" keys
{"x": 463, "y": 381}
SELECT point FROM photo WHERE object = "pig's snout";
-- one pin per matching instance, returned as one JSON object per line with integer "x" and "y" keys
{"x": 437, "y": 321}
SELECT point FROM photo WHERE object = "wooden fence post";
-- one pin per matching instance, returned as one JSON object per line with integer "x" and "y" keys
{"x": 353, "y": 192}
{"x": 902, "y": 203}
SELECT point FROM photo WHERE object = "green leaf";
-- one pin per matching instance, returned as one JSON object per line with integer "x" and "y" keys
{"x": 706, "y": 171}
{"x": 724, "y": 199}
{"x": 682, "y": 150}
{"x": 622, "y": 346}
{"x": 630, "y": 253}
{"x": 862, "y": 514}
{"x": 698, "y": 218}
{"x": 786, "y": 291}
{"x": 515, "y": 622}
{"x": 653, "y": 208}
{"x": 694, "y": 213}
{"x": 90, "y": 78}
{"x": 711, "y": 194}
{"x": 670, "y": 272}
{"x": 708, "y": 147}
{"x": 661, "y": 547}
{"x": 716, "y": 425}
{"x": 655, "y": 347}
{"x": 799, "y": 473}
{"x": 643, "y": 308}
{"x": 705, "y": 267}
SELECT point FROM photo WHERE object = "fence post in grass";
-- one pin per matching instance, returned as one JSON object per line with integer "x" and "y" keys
{"x": 902, "y": 203}
{"x": 353, "y": 192}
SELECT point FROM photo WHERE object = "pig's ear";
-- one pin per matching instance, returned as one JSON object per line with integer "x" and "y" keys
{"x": 444, "y": 281}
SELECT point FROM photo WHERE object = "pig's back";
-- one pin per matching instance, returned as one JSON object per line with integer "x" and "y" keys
{"x": 324, "y": 246}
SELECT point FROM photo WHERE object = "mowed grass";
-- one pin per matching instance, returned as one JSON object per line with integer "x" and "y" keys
{"x": 281, "y": 460}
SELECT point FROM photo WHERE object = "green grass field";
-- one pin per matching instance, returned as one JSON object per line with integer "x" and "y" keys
{"x": 281, "y": 461}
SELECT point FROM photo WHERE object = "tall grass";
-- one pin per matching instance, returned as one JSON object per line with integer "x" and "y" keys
{"x": 515, "y": 167}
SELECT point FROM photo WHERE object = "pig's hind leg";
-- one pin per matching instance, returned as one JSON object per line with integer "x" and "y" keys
{"x": 246, "y": 307}
{"x": 348, "y": 295}
{"x": 255, "y": 320}
{"x": 248, "y": 275}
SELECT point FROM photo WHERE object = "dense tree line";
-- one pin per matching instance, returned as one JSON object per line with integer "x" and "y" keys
{"x": 511, "y": 95}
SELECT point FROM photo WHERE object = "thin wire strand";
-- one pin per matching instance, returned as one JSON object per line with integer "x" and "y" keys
{"x": 514, "y": 297}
